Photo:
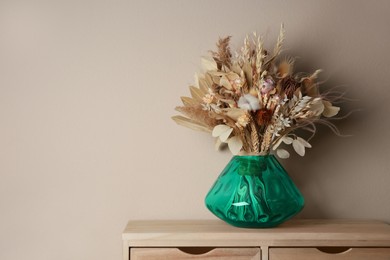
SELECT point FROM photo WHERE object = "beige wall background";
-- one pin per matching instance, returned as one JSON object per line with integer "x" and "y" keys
{"x": 87, "y": 89}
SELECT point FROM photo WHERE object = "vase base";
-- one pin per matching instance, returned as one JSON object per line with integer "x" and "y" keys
{"x": 254, "y": 192}
{"x": 243, "y": 224}
{"x": 266, "y": 224}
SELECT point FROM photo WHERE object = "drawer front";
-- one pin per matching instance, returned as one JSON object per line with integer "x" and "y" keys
{"x": 329, "y": 254}
{"x": 193, "y": 253}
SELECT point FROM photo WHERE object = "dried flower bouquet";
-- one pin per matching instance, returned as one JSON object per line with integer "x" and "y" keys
{"x": 253, "y": 101}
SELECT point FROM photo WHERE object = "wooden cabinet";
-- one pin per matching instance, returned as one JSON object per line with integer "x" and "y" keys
{"x": 293, "y": 240}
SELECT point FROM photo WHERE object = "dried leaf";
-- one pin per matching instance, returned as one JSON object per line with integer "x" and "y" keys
{"x": 202, "y": 84}
{"x": 225, "y": 83}
{"x": 317, "y": 107}
{"x": 187, "y": 101}
{"x": 276, "y": 145}
{"x": 219, "y": 129}
{"x": 329, "y": 109}
{"x": 222, "y": 131}
{"x": 209, "y": 80}
{"x": 234, "y": 113}
{"x": 298, "y": 147}
{"x": 287, "y": 140}
{"x": 225, "y": 135}
{"x": 303, "y": 142}
{"x": 196, "y": 93}
{"x": 283, "y": 154}
{"x": 199, "y": 115}
{"x": 235, "y": 144}
{"x": 208, "y": 64}
{"x": 247, "y": 69}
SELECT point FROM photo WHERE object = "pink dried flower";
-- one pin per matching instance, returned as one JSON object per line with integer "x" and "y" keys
{"x": 267, "y": 85}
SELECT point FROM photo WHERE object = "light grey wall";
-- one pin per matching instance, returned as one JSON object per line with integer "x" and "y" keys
{"x": 87, "y": 89}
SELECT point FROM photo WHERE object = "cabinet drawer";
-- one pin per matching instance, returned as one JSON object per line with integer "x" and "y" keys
{"x": 329, "y": 253}
{"x": 195, "y": 253}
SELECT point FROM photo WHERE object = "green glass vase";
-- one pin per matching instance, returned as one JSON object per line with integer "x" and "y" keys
{"x": 254, "y": 192}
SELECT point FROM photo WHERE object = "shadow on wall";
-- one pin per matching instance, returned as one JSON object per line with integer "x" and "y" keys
{"x": 323, "y": 163}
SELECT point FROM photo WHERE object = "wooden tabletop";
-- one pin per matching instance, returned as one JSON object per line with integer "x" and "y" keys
{"x": 147, "y": 233}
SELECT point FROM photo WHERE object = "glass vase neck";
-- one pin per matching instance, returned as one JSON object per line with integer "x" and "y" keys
{"x": 243, "y": 153}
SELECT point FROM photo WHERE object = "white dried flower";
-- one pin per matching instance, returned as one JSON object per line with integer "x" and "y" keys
{"x": 248, "y": 102}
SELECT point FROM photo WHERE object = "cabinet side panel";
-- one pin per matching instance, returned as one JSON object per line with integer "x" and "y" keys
{"x": 126, "y": 250}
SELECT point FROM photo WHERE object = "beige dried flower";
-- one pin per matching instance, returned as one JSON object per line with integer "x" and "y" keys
{"x": 243, "y": 120}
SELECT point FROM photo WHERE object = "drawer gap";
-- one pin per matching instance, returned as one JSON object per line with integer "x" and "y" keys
{"x": 334, "y": 249}
{"x": 196, "y": 250}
